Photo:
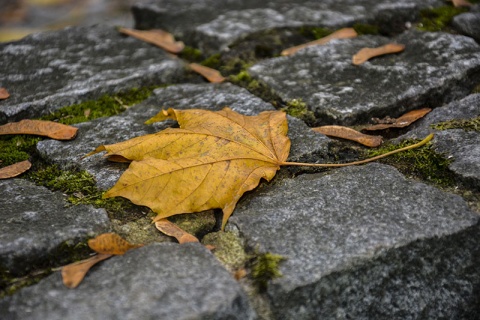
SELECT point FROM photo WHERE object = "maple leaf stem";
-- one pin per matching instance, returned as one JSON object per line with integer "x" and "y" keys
{"x": 413, "y": 146}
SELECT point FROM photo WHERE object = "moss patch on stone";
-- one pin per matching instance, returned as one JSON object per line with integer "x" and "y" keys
{"x": 228, "y": 249}
{"x": 198, "y": 224}
{"x": 80, "y": 188}
{"x": 265, "y": 267}
{"x": 16, "y": 148}
{"x": 314, "y": 32}
{"x": 105, "y": 106}
{"x": 298, "y": 109}
{"x": 438, "y": 19}
{"x": 421, "y": 163}
{"x": 363, "y": 29}
{"x": 465, "y": 124}
{"x": 140, "y": 231}
{"x": 191, "y": 54}
{"x": 258, "y": 88}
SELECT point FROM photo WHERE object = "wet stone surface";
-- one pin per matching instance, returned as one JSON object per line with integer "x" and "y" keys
{"x": 159, "y": 281}
{"x": 50, "y": 70}
{"x": 36, "y": 223}
{"x": 434, "y": 67}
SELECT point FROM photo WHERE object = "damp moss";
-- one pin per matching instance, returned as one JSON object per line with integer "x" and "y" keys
{"x": 105, "y": 106}
{"x": 228, "y": 249}
{"x": 197, "y": 224}
{"x": 437, "y": 19}
{"x": 191, "y": 54}
{"x": 362, "y": 29}
{"x": 261, "y": 90}
{"x": 298, "y": 109}
{"x": 10, "y": 284}
{"x": 212, "y": 61}
{"x": 80, "y": 188}
{"x": 465, "y": 124}
{"x": 314, "y": 32}
{"x": 16, "y": 148}
{"x": 422, "y": 163}
{"x": 265, "y": 267}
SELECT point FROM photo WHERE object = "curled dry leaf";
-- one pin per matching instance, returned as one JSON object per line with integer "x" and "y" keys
{"x": 367, "y": 53}
{"x": 49, "y": 129}
{"x": 210, "y": 74}
{"x": 73, "y": 274}
{"x": 405, "y": 120}
{"x": 4, "y": 94}
{"x": 350, "y": 134}
{"x": 110, "y": 243}
{"x": 172, "y": 230}
{"x": 14, "y": 169}
{"x": 344, "y": 33}
{"x": 156, "y": 37}
{"x": 461, "y": 3}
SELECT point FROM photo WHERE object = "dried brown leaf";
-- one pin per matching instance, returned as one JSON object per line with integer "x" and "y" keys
{"x": 210, "y": 74}
{"x": 156, "y": 37}
{"x": 240, "y": 274}
{"x": 344, "y": 33}
{"x": 350, "y": 134}
{"x": 368, "y": 53}
{"x": 49, "y": 129}
{"x": 4, "y": 94}
{"x": 172, "y": 230}
{"x": 110, "y": 243}
{"x": 14, "y": 169}
{"x": 405, "y": 120}
{"x": 73, "y": 274}
{"x": 461, "y": 3}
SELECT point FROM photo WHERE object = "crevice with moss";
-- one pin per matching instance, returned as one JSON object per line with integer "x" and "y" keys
{"x": 438, "y": 19}
{"x": 465, "y": 124}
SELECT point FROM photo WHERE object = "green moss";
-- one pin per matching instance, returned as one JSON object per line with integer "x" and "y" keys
{"x": 265, "y": 267}
{"x": 362, "y": 29}
{"x": 314, "y": 32}
{"x": 476, "y": 89}
{"x": 191, "y": 54}
{"x": 261, "y": 90}
{"x": 437, "y": 19}
{"x": 298, "y": 109}
{"x": 465, "y": 124}
{"x": 16, "y": 148}
{"x": 10, "y": 284}
{"x": 422, "y": 163}
{"x": 197, "y": 224}
{"x": 212, "y": 62}
{"x": 80, "y": 188}
{"x": 105, "y": 106}
{"x": 228, "y": 249}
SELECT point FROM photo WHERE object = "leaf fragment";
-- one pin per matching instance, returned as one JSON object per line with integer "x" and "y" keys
{"x": 366, "y": 54}
{"x": 4, "y": 94}
{"x": 401, "y": 122}
{"x": 73, "y": 274}
{"x": 344, "y": 33}
{"x": 350, "y": 134}
{"x": 110, "y": 243}
{"x": 461, "y": 3}
{"x": 172, "y": 230}
{"x": 14, "y": 169}
{"x": 49, "y": 129}
{"x": 212, "y": 75}
{"x": 157, "y": 37}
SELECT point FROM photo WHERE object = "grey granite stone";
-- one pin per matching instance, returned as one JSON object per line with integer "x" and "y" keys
{"x": 159, "y": 281}
{"x": 434, "y": 67}
{"x": 129, "y": 124}
{"x": 468, "y": 24}
{"x": 364, "y": 243}
{"x": 35, "y": 223}
{"x": 46, "y": 71}
{"x": 463, "y": 147}
{"x": 213, "y": 30}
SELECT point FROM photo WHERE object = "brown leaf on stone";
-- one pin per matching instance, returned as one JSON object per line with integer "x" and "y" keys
{"x": 4, "y": 94}
{"x": 210, "y": 74}
{"x": 240, "y": 274}
{"x": 73, "y": 274}
{"x": 157, "y": 37}
{"x": 172, "y": 230}
{"x": 110, "y": 243}
{"x": 14, "y": 169}
{"x": 49, "y": 129}
{"x": 405, "y": 120}
{"x": 461, "y": 3}
{"x": 344, "y": 33}
{"x": 350, "y": 134}
{"x": 368, "y": 53}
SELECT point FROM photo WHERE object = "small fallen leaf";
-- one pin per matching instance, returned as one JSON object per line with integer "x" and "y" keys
{"x": 14, "y": 169}
{"x": 405, "y": 120}
{"x": 350, "y": 134}
{"x": 210, "y": 74}
{"x": 158, "y": 37}
{"x": 344, "y": 33}
{"x": 110, "y": 243}
{"x": 240, "y": 274}
{"x": 4, "y": 94}
{"x": 172, "y": 230}
{"x": 73, "y": 274}
{"x": 461, "y": 3}
{"x": 368, "y": 53}
{"x": 49, "y": 129}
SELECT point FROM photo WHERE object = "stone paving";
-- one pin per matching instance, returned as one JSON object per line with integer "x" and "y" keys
{"x": 364, "y": 242}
